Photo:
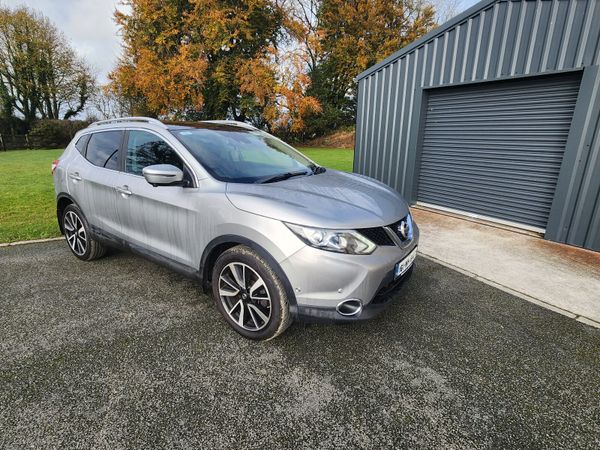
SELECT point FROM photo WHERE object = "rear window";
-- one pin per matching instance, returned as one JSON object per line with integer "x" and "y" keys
{"x": 81, "y": 143}
{"x": 103, "y": 149}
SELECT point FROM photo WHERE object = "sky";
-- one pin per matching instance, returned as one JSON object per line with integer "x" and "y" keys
{"x": 89, "y": 26}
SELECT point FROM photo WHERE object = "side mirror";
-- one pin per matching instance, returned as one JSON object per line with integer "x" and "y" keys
{"x": 163, "y": 175}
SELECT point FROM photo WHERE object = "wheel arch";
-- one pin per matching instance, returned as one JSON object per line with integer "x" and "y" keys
{"x": 225, "y": 242}
{"x": 62, "y": 201}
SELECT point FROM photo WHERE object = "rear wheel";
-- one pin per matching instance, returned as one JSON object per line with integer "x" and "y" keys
{"x": 249, "y": 294}
{"x": 79, "y": 238}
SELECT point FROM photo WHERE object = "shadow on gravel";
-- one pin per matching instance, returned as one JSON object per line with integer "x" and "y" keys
{"x": 123, "y": 353}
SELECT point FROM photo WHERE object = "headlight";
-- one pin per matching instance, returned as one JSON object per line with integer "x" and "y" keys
{"x": 340, "y": 241}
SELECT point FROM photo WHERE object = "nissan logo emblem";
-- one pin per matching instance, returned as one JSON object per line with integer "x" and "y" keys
{"x": 403, "y": 229}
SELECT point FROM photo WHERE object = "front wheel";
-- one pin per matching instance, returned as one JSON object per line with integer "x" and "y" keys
{"x": 249, "y": 294}
{"x": 79, "y": 238}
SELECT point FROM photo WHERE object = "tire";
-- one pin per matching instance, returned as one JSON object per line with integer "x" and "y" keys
{"x": 261, "y": 300}
{"x": 81, "y": 242}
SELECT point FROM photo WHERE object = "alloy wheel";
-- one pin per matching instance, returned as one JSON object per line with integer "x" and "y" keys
{"x": 75, "y": 233}
{"x": 245, "y": 296}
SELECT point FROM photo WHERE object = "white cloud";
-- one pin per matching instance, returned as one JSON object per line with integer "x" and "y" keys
{"x": 87, "y": 24}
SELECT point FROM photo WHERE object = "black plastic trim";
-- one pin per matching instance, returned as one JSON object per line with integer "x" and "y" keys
{"x": 58, "y": 218}
{"x": 200, "y": 273}
{"x": 240, "y": 240}
{"x": 114, "y": 241}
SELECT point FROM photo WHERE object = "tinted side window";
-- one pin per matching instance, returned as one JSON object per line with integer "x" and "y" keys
{"x": 103, "y": 149}
{"x": 81, "y": 143}
{"x": 146, "y": 149}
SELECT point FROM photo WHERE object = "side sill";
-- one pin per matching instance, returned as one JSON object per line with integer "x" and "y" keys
{"x": 113, "y": 241}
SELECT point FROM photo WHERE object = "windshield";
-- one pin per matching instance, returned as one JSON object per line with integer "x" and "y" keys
{"x": 239, "y": 155}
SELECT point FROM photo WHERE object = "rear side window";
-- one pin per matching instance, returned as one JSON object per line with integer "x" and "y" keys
{"x": 103, "y": 149}
{"x": 146, "y": 149}
{"x": 81, "y": 143}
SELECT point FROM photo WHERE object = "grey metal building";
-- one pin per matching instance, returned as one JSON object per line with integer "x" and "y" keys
{"x": 496, "y": 114}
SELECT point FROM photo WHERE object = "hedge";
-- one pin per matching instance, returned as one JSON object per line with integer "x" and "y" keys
{"x": 48, "y": 133}
{"x": 10, "y": 126}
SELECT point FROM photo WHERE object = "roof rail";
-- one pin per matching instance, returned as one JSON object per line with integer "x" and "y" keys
{"x": 129, "y": 119}
{"x": 235, "y": 123}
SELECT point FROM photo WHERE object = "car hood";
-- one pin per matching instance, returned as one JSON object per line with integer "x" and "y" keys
{"x": 328, "y": 200}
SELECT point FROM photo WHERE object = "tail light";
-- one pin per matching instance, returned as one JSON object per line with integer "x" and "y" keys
{"x": 54, "y": 165}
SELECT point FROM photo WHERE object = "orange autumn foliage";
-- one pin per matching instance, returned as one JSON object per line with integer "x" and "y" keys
{"x": 276, "y": 63}
{"x": 208, "y": 59}
{"x": 359, "y": 33}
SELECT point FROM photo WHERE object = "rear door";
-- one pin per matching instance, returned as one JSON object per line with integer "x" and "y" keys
{"x": 96, "y": 179}
{"x": 158, "y": 219}
{"x": 77, "y": 165}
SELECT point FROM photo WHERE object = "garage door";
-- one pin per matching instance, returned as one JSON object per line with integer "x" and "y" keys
{"x": 495, "y": 149}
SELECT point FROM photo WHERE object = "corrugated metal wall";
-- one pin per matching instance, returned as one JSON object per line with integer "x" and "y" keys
{"x": 492, "y": 40}
{"x": 575, "y": 215}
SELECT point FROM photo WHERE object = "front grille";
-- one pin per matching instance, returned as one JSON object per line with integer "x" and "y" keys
{"x": 379, "y": 236}
{"x": 376, "y": 235}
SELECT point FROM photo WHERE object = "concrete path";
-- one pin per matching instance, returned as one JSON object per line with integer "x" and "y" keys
{"x": 559, "y": 277}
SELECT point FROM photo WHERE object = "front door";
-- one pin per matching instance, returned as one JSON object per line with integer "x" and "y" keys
{"x": 158, "y": 219}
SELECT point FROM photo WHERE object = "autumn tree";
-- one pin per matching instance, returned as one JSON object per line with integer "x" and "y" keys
{"x": 6, "y": 106}
{"x": 346, "y": 37}
{"x": 206, "y": 59}
{"x": 40, "y": 74}
{"x": 281, "y": 64}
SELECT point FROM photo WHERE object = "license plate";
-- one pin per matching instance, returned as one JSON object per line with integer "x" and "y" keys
{"x": 405, "y": 264}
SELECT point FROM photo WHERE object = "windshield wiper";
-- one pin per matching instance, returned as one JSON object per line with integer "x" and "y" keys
{"x": 281, "y": 176}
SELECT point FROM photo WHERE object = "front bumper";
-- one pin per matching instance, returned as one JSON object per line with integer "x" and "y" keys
{"x": 321, "y": 280}
{"x": 372, "y": 309}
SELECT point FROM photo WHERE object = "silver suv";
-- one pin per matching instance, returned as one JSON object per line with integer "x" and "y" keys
{"x": 274, "y": 236}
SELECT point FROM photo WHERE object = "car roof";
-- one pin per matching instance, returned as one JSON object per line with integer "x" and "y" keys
{"x": 123, "y": 122}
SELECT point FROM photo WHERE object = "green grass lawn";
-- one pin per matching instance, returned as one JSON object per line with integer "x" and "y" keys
{"x": 27, "y": 205}
{"x": 336, "y": 158}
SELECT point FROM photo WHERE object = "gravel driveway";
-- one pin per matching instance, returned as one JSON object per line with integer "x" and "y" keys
{"x": 123, "y": 353}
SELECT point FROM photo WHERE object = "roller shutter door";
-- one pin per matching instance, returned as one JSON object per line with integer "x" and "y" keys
{"x": 495, "y": 149}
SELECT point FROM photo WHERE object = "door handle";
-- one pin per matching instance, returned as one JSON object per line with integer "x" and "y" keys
{"x": 75, "y": 176}
{"x": 123, "y": 190}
